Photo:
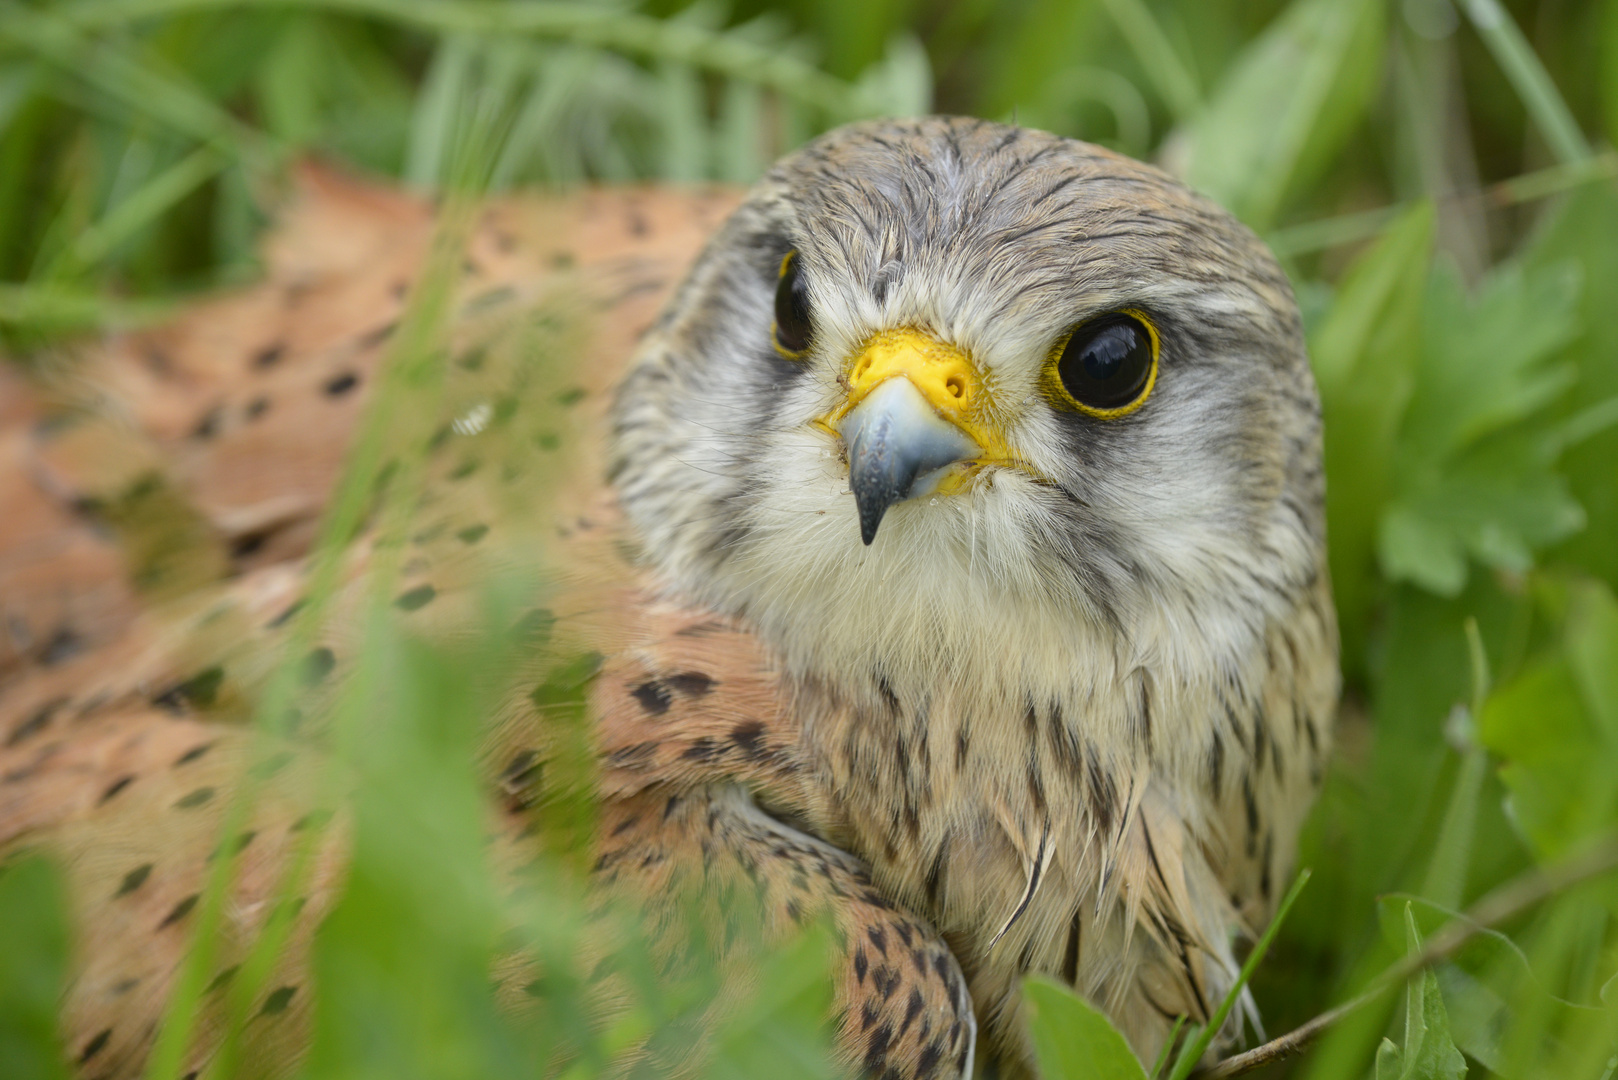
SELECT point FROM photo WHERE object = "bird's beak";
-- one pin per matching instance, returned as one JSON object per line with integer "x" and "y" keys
{"x": 911, "y": 414}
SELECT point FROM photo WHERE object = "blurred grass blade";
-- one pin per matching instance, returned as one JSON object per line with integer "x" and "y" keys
{"x": 147, "y": 203}
{"x": 1286, "y": 108}
{"x": 439, "y": 109}
{"x": 741, "y": 115}
{"x": 683, "y": 127}
{"x": 1168, "y": 1048}
{"x": 1530, "y": 79}
{"x": 593, "y": 24}
{"x": 33, "y": 968}
{"x": 1074, "y": 1039}
{"x": 137, "y": 86}
{"x": 46, "y": 308}
{"x": 1158, "y": 57}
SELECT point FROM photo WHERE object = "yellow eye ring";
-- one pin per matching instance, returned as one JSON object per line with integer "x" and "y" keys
{"x": 1106, "y": 366}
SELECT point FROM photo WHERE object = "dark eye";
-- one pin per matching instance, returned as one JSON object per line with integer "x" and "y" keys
{"x": 792, "y": 330}
{"x": 1107, "y": 367}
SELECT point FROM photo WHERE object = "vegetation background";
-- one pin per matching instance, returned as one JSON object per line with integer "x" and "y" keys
{"x": 1437, "y": 177}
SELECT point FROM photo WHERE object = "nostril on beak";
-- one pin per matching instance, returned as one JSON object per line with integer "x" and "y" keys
{"x": 956, "y": 386}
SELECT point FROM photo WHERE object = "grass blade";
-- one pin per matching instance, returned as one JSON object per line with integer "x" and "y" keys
{"x": 1204, "y": 1038}
{"x": 1529, "y": 78}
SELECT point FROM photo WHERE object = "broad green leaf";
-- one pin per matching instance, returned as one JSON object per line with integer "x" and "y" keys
{"x": 1365, "y": 354}
{"x": 1484, "y": 359}
{"x": 1287, "y": 106}
{"x": 33, "y": 963}
{"x": 1467, "y": 483}
{"x": 1072, "y": 1039}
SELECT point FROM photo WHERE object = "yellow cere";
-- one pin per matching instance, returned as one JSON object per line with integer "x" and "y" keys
{"x": 946, "y": 377}
{"x": 1058, "y": 393}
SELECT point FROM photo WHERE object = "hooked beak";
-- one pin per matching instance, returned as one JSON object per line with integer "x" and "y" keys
{"x": 907, "y": 420}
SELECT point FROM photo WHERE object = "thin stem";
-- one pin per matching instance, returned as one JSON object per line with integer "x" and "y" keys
{"x": 1192, "y": 1053}
{"x": 1506, "y": 902}
{"x": 1529, "y": 78}
{"x": 1362, "y": 225}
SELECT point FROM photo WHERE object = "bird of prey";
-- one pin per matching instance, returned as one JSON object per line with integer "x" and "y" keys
{"x": 970, "y": 589}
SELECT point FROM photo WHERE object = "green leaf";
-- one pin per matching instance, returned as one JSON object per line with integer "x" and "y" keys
{"x": 1474, "y": 475}
{"x": 1429, "y": 1051}
{"x": 1585, "y": 229}
{"x": 1072, "y": 1039}
{"x": 33, "y": 961}
{"x": 1557, "y": 731}
{"x": 1287, "y": 106}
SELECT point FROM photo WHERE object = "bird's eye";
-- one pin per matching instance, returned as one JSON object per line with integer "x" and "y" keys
{"x": 792, "y": 331}
{"x": 1108, "y": 365}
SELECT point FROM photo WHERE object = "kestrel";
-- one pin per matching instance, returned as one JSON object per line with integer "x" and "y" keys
{"x": 976, "y": 598}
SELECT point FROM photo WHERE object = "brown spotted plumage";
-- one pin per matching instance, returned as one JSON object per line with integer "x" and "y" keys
{"x": 1054, "y": 708}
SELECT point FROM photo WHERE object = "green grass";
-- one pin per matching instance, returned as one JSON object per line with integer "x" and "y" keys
{"x": 1439, "y": 182}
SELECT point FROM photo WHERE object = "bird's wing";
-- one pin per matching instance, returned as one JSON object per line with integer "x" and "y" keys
{"x": 161, "y": 496}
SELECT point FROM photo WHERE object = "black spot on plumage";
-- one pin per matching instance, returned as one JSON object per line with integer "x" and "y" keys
{"x": 193, "y": 754}
{"x": 935, "y": 871}
{"x": 282, "y": 619}
{"x": 221, "y": 980}
{"x": 1070, "y": 952}
{"x": 415, "y": 599}
{"x": 37, "y": 721}
{"x": 278, "y": 1001}
{"x": 207, "y": 425}
{"x": 861, "y": 963}
{"x": 749, "y": 738}
{"x": 534, "y": 628}
{"x": 912, "y": 1010}
{"x": 653, "y": 696}
{"x": 116, "y": 786}
{"x": 691, "y": 683}
{"x": 95, "y": 1045}
{"x": 179, "y": 911}
{"x": 314, "y": 819}
{"x": 340, "y": 384}
{"x": 193, "y": 799}
{"x": 1216, "y": 764}
{"x": 271, "y": 765}
{"x": 200, "y": 691}
{"x": 63, "y": 645}
{"x": 929, "y": 1058}
{"x": 868, "y": 1014}
{"x": 703, "y": 749}
{"x": 878, "y": 939}
{"x": 133, "y": 880}
{"x": 269, "y": 355}
{"x": 876, "y": 1049}
{"x": 371, "y": 339}
{"x": 317, "y": 665}
{"x": 1251, "y": 804}
{"x": 256, "y": 408}
{"x": 472, "y": 533}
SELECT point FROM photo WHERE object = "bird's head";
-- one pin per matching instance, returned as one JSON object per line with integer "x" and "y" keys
{"x": 946, "y": 389}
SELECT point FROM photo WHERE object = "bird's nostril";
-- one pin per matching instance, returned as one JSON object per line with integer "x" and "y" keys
{"x": 956, "y": 386}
